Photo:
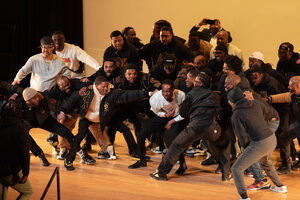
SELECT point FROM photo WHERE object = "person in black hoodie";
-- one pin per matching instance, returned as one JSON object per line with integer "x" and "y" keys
{"x": 248, "y": 122}
{"x": 15, "y": 141}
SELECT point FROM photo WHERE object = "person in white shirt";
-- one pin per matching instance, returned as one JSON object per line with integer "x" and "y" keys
{"x": 223, "y": 36}
{"x": 44, "y": 67}
{"x": 72, "y": 54}
{"x": 165, "y": 105}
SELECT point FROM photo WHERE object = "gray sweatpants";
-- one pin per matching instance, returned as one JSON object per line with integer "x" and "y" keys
{"x": 256, "y": 151}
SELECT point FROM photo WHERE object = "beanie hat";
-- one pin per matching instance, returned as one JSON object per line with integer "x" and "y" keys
{"x": 235, "y": 95}
{"x": 257, "y": 55}
{"x": 29, "y": 93}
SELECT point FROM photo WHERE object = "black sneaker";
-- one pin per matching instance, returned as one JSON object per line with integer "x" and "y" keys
{"x": 209, "y": 161}
{"x": 283, "y": 170}
{"x": 181, "y": 170}
{"x": 52, "y": 139}
{"x": 87, "y": 159}
{"x": 44, "y": 160}
{"x": 102, "y": 155}
{"x": 158, "y": 176}
{"x": 69, "y": 165}
{"x": 296, "y": 166}
{"x": 138, "y": 164}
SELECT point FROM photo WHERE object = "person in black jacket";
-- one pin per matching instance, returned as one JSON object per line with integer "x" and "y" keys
{"x": 15, "y": 142}
{"x": 121, "y": 51}
{"x": 152, "y": 52}
{"x": 200, "y": 108}
{"x": 248, "y": 122}
{"x": 288, "y": 60}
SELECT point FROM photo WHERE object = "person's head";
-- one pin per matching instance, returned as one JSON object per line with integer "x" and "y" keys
{"x": 131, "y": 73}
{"x": 169, "y": 63}
{"x": 117, "y": 40}
{"x": 102, "y": 85}
{"x": 220, "y": 52}
{"x": 63, "y": 84}
{"x": 232, "y": 65}
{"x": 231, "y": 82}
{"x": 190, "y": 78}
{"x": 194, "y": 41}
{"x": 129, "y": 34}
{"x": 256, "y": 75}
{"x": 167, "y": 89}
{"x": 235, "y": 95}
{"x": 158, "y": 25}
{"x": 223, "y": 36}
{"x": 10, "y": 113}
{"x": 108, "y": 66}
{"x": 59, "y": 40}
{"x": 32, "y": 97}
{"x": 256, "y": 59}
{"x": 285, "y": 51}
{"x": 166, "y": 35}
{"x": 215, "y": 28}
{"x": 47, "y": 46}
{"x": 199, "y": 62}
{"x": 202, "y": 80}
{"x": 184, "y": 70}
{"x": 294, "y": 85}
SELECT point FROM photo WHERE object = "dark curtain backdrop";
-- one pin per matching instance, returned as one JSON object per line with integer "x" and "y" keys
{"x": 24, "y": 22}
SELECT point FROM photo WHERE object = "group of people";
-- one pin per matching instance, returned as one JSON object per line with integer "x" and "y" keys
{"x": 196, "y": 93}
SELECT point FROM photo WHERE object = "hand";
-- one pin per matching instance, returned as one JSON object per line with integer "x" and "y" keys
{"x": 13, "y": 97}
{"x": 249, "y": 95}
{"x": 170, "y": 113}
{"x": 169, "y": 124}
{"x": 82, "y": 91}
{"x": 84, "y": 80}
{"x": 23, "y": 180}
{"x": 203, "y": 22}
{"x": 152, "y": 93}
{"x": 61, "y": 117}
{"x": 15, "y": 83}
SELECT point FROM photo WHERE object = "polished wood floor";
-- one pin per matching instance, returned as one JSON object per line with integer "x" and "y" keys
{"x": 113, "y": 180}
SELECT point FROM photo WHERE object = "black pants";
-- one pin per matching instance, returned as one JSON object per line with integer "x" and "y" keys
{"x": 185, "y": 138}
{"x": 157, "y": 124}
{"x": 284, "y": 142}
{"x": 35, "y": 148}
{"x": 117, "y": 125}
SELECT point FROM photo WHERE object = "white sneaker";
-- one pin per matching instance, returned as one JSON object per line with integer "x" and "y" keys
{"x": 55, "y": 150}
{"x": 244, "y": 199}
{"x": 281, "y": 189}
{"x": 62, "y": 154}
{"x": 111, "y": 152}
{"x": 156, "y": 150}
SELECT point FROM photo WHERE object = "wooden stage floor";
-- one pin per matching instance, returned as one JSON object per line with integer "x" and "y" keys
{"x": 113, "y": 180}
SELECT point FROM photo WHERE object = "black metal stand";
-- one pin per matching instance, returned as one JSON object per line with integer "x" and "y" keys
{"x": 56, "y": 172}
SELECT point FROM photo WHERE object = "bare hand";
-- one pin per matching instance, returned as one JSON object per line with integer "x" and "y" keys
{"x": 249, "y": 95}
{"x": 170, "y": 113}
{"x": 84, "y": 80}
{"x": 169, "y": 124}
{"x": 15, "y": 83}
{"x": 13, "y": 97}
{"x": 61, "y": 117}
{"x": 23, "y": 180}
{"x": 152, "y": 93}
{"x": 203, "y": 22}
{"x": 82, "y": 91}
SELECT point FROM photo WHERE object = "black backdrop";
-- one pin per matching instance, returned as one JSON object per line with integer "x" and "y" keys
{"x": 24, "y": 22}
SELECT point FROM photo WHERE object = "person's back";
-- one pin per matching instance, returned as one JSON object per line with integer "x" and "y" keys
{"x": 15, "y": 141}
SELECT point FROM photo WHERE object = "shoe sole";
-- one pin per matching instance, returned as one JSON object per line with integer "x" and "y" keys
{"x": 261, "y": 188}
{"x": 156, "y": 178}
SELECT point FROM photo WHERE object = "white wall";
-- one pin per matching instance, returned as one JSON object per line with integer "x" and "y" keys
{"x": 256, "y": 25}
